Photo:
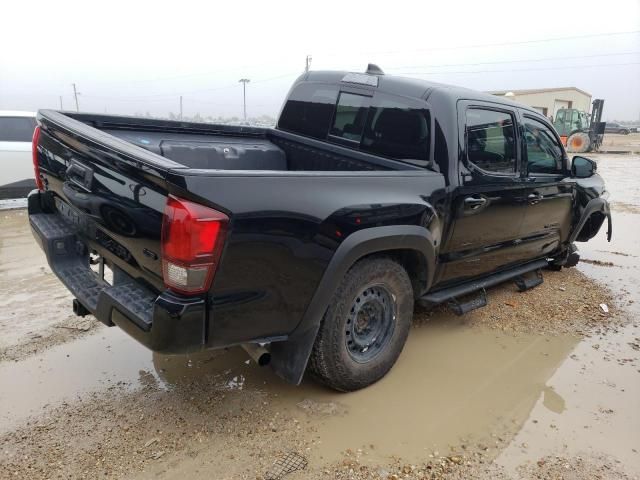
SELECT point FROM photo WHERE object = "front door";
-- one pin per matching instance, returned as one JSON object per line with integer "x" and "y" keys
{"x": 549, "y": 198}
{"x": 489, "y": 204}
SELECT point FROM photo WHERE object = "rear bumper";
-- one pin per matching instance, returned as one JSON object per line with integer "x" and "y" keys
{"x": 164, "y": 323}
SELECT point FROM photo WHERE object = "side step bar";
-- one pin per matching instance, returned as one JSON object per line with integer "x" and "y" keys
{"x": 441, "y": 296}
{"x": 460, "y": 308}
{"x": 528, "y": 282}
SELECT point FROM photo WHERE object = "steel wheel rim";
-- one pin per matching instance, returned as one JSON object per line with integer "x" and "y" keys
{"x": 370, "y": 323}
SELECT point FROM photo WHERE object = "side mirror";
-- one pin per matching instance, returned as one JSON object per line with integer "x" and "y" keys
{"x": 582, "y": 167}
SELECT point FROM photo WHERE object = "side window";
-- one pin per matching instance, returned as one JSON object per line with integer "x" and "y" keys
{"x": 575, "y": 120}
{"x": 398, "y": 129}
{"x": 491, "y": 142}
{"x": 309, "y": 110}
{"x": 17, "y": 129}
{"x": 351, "y": 113}
{"x": 544, "y": 154}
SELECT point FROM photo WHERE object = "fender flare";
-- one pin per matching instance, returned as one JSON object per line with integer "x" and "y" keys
{"x": 595, "y": 205}
{"x": 289, "y": 358}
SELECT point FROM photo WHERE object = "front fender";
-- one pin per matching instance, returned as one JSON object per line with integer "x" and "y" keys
{"x": 289, "y": 359}
{"x": 587, "y": 227}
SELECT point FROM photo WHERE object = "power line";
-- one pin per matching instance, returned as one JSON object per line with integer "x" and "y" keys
{"x": 502, "y": 44}
{"x": 479, "y": 45}
{"x": 514, "y": 61}
{"x": 522, "y": 69}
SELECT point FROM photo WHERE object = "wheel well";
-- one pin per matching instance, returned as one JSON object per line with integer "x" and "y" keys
{"x": 591, "y": 227}
{"x": 413, "y": 262}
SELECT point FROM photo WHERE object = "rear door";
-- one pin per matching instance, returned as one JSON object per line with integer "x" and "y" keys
{"x": 488, "y": 206}
{"x": 549, "y": 198}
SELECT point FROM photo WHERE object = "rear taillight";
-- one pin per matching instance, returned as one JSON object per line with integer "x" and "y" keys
{"x": 192, "y": 240}
{"x": 34, "y": 156}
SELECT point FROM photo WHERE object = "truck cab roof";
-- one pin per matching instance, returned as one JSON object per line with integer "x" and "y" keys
{"x": 404, "y": 86}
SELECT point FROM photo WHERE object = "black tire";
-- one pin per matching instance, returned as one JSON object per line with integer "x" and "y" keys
{"x": 338, "y": 361}
{"x": 578, "y": 142}
{"x": 567, "y": 259}
{"x": 624, "y": 132}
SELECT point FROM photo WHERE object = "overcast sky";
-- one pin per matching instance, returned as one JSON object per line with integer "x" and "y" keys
{"x": 134, "y": 56}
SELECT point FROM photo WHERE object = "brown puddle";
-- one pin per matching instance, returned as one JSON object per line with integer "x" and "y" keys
{"x": 451, "y": 382}
{"x": 452, "y": 385}
{"x": 68, "y": 372}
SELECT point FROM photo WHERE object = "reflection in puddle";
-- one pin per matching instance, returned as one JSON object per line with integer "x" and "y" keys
{"x": 552, "y": 400}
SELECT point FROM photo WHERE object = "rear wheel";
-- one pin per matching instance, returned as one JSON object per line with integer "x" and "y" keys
{"x": 365, "y": 327}
{"x": 578, "y": 143}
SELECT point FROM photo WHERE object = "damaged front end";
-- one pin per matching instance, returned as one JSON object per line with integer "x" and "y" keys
{"x": 592, "y": 206}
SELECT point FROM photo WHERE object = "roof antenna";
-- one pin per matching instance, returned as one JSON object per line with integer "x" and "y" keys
{"x": 373, "y": 69}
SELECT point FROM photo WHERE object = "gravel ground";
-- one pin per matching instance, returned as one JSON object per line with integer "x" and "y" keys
{"x": 155, "y": 431}
{"x": 568, "y": 302}
{"x": 563, "y": 368}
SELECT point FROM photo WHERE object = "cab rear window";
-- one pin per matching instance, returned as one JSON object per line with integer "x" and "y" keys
{"x": 16, "y": 129}
{"x": 309, "y": 110}
{"x": 383, "y": 124}
{"x": 397, "y": 128}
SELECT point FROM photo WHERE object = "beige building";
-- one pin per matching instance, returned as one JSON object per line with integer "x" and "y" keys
{"x": 549, "y": 100}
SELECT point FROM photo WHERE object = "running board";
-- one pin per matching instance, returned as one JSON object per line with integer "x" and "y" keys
{"x": 460, "y": 308}
{"x": 529, "y": 281}
{"x": 441, "y": 296}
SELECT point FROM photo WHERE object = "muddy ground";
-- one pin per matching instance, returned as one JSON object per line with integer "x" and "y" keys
{"x": 614, "y": 143}
{"x": 540, "y": 384}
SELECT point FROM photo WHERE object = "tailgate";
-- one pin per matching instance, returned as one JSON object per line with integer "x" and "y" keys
{"x": 113, "y": 192}
{"x": 104, "y": 200}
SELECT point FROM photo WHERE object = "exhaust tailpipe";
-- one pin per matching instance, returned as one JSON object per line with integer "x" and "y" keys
{"x": 258, "y": 353}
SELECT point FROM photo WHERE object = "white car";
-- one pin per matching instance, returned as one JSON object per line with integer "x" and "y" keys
{"x": 16, "y": 165}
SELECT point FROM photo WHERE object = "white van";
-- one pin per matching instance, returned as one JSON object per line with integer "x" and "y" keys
{"x": 16, "y": 166}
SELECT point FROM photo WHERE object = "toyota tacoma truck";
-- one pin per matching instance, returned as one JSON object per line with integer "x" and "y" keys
{"x": 310, "y": 243}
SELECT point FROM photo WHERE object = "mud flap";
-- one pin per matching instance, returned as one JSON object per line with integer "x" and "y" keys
{"x": 289, "y": 358}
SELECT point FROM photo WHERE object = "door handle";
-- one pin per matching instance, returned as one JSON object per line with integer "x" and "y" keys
{"x": 534, "y": 198}
{"x": 474, "y": 203}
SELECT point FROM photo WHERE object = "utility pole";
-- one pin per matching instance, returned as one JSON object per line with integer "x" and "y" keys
{"x": 244, "y": 82}
{"x": 307, "y": 63}
{"x": 180, "y": 107}
{"x": 75, "y": 95}
{"x": 61, "y": 107}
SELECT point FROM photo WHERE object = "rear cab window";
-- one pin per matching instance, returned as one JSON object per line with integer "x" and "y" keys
{"x": 384, "y": 125}
{"x": 381, "y": 124}
{"x": 398, "y": 128}
{"x": 309, "y": 110}
{"x": 350, "y": 117}
{"x": 17, "y": 129}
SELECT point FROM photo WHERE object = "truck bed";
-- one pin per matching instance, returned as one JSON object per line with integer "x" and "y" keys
{"x": 227, "y": 147}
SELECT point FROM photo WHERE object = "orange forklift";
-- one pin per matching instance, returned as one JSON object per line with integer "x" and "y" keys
{"x": 578, "y": 131}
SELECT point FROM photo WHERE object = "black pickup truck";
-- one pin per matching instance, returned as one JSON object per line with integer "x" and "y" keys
{"x": 309, "y": 243}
